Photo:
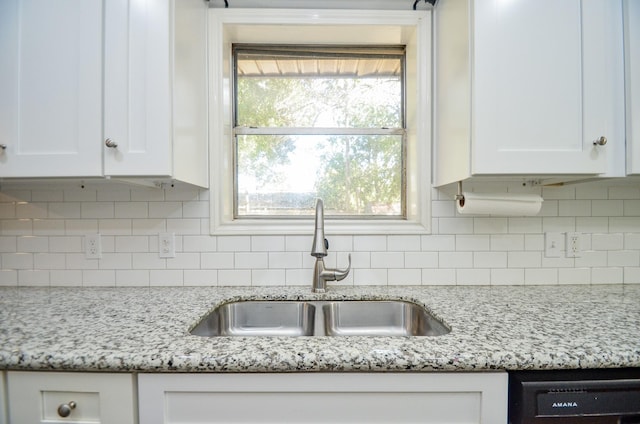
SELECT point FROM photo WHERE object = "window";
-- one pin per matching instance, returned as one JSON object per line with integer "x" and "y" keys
{"x": 290, "y": 122}
{"x": 319, "y": 121}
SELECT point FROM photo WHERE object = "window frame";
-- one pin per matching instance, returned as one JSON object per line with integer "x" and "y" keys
{"x": 348, "y": 27}
{"x": 396, "y": 52}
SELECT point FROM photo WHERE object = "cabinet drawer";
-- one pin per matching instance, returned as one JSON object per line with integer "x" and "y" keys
{"x": 54, "y": 397}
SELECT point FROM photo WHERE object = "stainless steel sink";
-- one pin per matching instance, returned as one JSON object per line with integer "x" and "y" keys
{"x": 320, "y": 318}
{"x": 258, "y": 318}
{"x": 380, "y": 318}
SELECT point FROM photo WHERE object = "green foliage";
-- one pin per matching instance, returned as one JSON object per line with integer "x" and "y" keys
{"x": 358, "y": 174}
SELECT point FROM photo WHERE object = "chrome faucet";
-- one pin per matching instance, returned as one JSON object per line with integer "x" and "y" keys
{"x": 319, "y": 250}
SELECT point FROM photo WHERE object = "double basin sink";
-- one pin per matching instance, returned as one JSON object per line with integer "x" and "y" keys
{"x": 320, "y": 318}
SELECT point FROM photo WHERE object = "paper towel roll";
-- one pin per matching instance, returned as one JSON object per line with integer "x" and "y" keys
{"x": 499, "y": 204}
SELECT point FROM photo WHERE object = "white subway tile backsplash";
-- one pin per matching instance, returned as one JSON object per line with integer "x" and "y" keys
{"x": 235, "y": 243}
{"x": 438, "y": 243}
{"x": 455, "y": 260}
{"x": 200, "y": 277}
{"x": 65, "y": 278}
{"x": 370, "y": 277}
{"x": 439, "y": 277}
{"x": 490, "y": 225}
{"x": 33, "y": 277}
{"x": 99, "y": 278}
{"x": 473, "y": 277}
{"x": 574, "y": 208}
{"x": 624, "y": 192}
{"x": 184, "y": 261}
{"x": 607, "y": 208}
{"x": 369, "y": 243}
{"x": 49, "y": 261}
{"x": 592, "y": 225}
{"x": 387, "y": 260}
{"x": 472, "y": 242}
{"x": 268, "y": 277}
{"x": 607, "y": 241}
{"x": 506, "y": 242}
{"x": 8, "y": 277}
{"x": 540, "y": 276}
{"x": 631, "y": 207}
{"x": 622, "y": 258}
{"x": 267, "y": 243}
{"x": 608, "y": 275}
{"x": 131, "y": 210}
{"x": 285, "y": 260}
{"x": 507, "y": 276}
{"x": 42, "y": 241}
{"x": 575, "y": 275}
{"x": 33, "y": 244}
{"x": 631, "y": 275}
{"x": 132, "y": 278}
{"x": 405, "y": 277}
{"x": 489, "y": 259}
{"x": 404, "y": 243}
{"x": 250, "y": 260}
{"x": 166, "y": 278}
{"x": 526, "y": 259}
{"x": 97, "y": 210}
{"x": 421, "y": 259}
{"x": 234, "y": 277}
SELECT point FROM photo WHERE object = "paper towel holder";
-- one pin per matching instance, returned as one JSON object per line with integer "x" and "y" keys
{"x": 460, "y": 197}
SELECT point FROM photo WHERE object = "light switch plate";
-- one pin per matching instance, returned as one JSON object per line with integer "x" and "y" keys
{"x": 553, "y": 245}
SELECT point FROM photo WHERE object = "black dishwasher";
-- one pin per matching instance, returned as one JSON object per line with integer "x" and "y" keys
{"x": 600, "y": 396}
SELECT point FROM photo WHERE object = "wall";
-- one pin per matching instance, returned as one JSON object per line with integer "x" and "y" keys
{"x": 42, "y": 228}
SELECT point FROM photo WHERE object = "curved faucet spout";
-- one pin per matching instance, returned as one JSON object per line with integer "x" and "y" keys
{"x": 337, "y": 274}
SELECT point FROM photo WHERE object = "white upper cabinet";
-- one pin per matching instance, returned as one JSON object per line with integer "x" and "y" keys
{"x": 632, "y": 73}
{"x": 112, "y": 88}
{"x": 525, "y": 88}
{"x": 50, "y": 88}
{"x": 155, "y": 117}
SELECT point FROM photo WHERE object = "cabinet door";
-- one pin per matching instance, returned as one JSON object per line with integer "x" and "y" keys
{"x": 632, "y": 73}
{"x": 41, "y": 397}
{"x": 323, "y": 398}
{"x": 548, "y": 83}
{"x": 3, "y": 397}
{"x": 51, "y": 85}
{"x": 137, "y": 116}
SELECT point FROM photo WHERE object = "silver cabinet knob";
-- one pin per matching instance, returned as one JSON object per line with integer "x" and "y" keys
{"x": 601, "y": 141}
{"x": 110, "y": 143}
{"x": 3, "y": 146}
{"x": 65, "y": 409}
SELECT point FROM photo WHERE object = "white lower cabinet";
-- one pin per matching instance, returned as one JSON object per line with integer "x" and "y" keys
{"x": 3, "y": 399}
{"x": 56, "y": 397}
{"x": 323, "y": 398}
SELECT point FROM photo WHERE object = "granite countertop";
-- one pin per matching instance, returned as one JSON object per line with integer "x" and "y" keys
{"x": 146, "y": 330}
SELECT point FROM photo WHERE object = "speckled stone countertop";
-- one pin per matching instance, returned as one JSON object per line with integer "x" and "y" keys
{"x": 146, "y": 329}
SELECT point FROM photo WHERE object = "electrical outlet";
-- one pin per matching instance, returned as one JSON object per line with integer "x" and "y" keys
{"x": 553, "y": 245}
{"x": 167, "y": 245}
{"x": 574, "y": 245}
{"x": 92, "y": 246}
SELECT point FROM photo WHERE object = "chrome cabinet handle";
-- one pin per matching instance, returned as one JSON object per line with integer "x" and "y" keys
{"x": 601, "y": 141}
{"x": 65, "y": 409}
{"x": 110, "y": 143}
{"x": 3, "y": 146}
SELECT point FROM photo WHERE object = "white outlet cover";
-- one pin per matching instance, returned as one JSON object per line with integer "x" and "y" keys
{"x": 167, "y": 245}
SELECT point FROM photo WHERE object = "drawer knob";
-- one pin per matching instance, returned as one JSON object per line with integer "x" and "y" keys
{"x": 65, "y": 409}
{"x": 3, "y": 146}
{"x": 601, "y": 141}
{"x": 110, "y": 143}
